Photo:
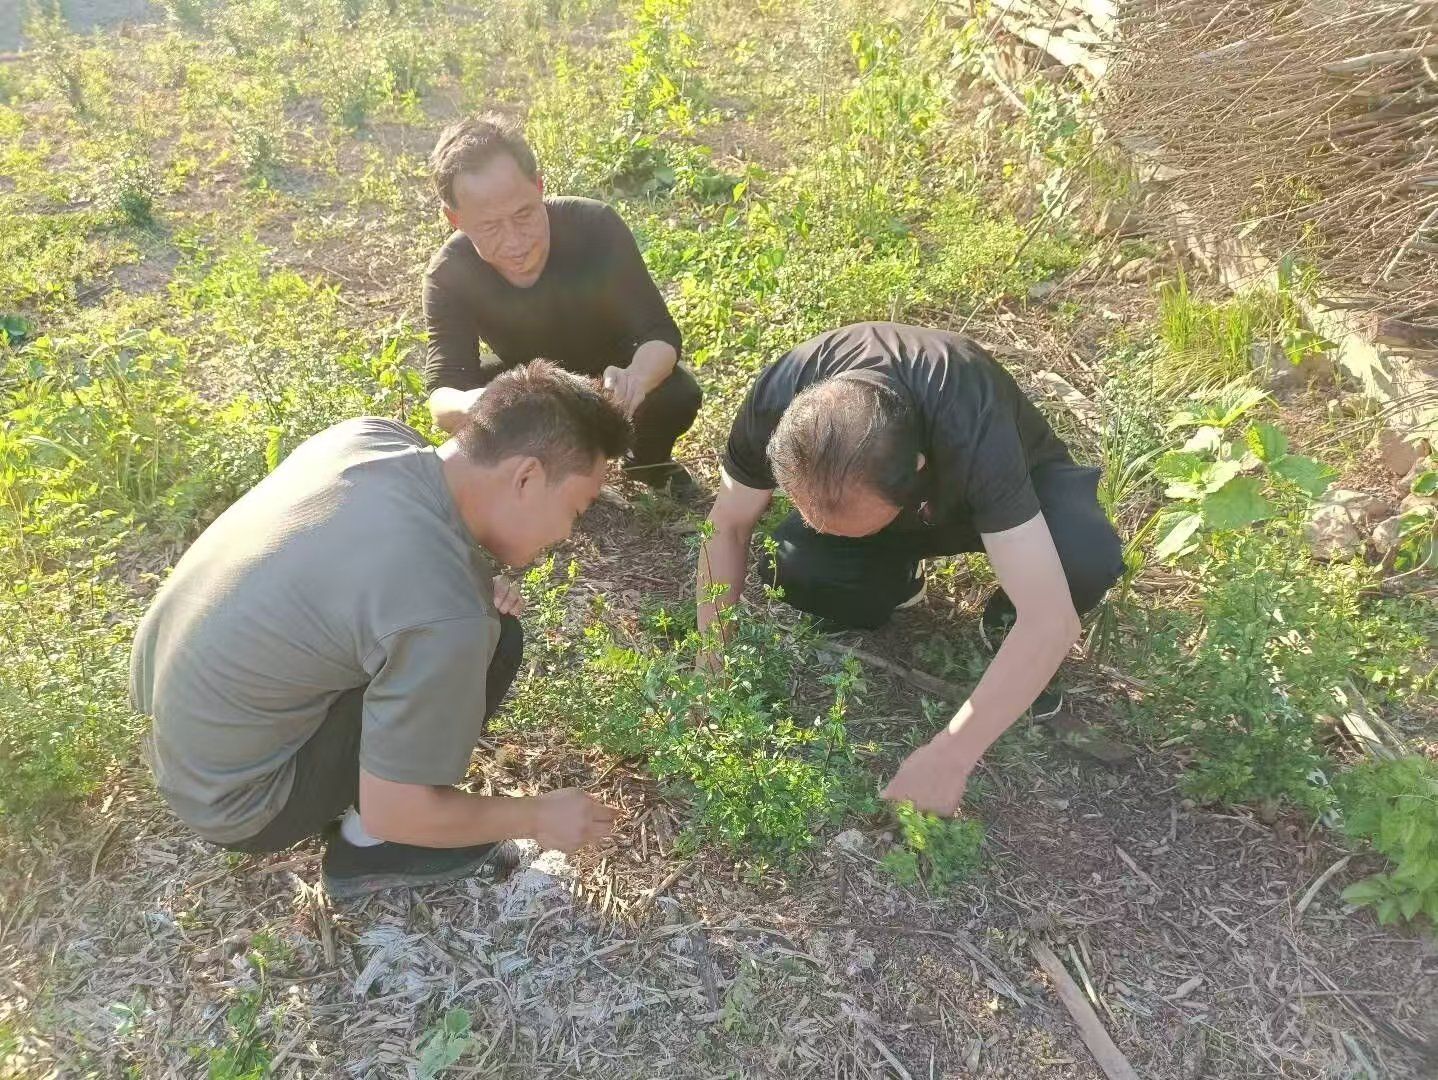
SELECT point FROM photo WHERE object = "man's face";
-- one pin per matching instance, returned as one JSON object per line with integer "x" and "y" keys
{"x": 538, "y": 513}
{"x": 502, "y": 212}
{"x": 862, "y": 513}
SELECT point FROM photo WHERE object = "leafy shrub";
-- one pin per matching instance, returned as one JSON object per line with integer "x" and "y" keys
{"x": 1394, "y": 806}
{"x": 1223, "y": 484}
{"x": 940, "y": 852}
{"x": 130, "y": 187}
{"x": 1248, "y": 682}
{"x": 763, "y": 775}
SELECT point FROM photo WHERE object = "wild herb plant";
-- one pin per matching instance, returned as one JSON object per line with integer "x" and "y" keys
{"x": 1393, "y": 804}
{"x": 940, "y": 852}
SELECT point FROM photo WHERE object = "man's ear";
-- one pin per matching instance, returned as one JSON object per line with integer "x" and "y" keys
{"x": 450, "y": 216}
{"x": 922, "y": 462}
{"x": 529, "y": 472}
{"x": 539, "y": 182}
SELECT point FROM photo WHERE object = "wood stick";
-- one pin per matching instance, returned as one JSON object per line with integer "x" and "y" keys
{"x": 922, "y": 679}
{"x": 1114, "y": 1065}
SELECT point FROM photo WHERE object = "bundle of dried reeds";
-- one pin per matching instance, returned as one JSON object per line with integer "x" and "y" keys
{"x": 1310, "y": 127}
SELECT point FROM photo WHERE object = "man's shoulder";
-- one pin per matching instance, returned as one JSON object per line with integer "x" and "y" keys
{"x": 455, "y": 256}
{"x": 573, "y": 212}
{"x": 378, "y": 432}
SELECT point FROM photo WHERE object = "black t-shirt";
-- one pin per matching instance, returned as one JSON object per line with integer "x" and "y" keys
{"x": 593, "y": 305}
{"x": 982, "y": 435}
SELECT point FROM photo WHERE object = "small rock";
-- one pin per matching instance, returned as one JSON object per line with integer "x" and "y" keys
{"x": 1413, "y": 502}
{"x": 1365, "y": 509}
{"x": 1332, "y": 532}
{"x": 1138, "y": 270}
{"x": 1041, "y": 289}
{"x": 1385, "y": 536}
{"x": 1398, "y": 454}
{"x": 849, "y": 840}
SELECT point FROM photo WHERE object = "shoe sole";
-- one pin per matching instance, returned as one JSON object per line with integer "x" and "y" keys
{"x": 918, "y": 597}
{"x": 350, "y": 888}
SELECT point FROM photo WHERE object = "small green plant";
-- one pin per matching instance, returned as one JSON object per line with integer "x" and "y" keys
{"x": 940, "y": 852}
{"x": 1246, "y": 684}
{"x": 1222, "y": 484}
{"x": 243, "y": 1056}
{"x": 445, "y": 1043}
{"x": 130, "y": 188}
{"x": 1418, "y": 527}
{"x": 1394, "y": 806}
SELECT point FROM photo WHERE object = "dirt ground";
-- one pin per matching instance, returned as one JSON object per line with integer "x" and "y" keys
{"x": 1209, "y": 944}
{"x": 83, "y": 15}
{"x": 1212, "y": 945}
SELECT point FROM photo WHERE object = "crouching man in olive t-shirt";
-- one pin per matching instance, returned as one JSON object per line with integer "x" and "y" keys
{"x": 336, "y": 640}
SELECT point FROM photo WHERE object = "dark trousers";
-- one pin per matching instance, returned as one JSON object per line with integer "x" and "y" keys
{"x": 327, "y": 766}
{"x": 666, "y": 413}
{"x": 858, "y": 581}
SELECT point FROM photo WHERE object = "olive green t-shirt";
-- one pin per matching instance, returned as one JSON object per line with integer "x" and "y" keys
{"x": 347, "y": 566}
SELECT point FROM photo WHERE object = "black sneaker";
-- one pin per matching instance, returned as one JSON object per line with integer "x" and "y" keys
{"x": 351, "y": 871}
{"x": 996, "y": 621}
{"x": 920, "y": 586}
{"x": 667, "y": 478}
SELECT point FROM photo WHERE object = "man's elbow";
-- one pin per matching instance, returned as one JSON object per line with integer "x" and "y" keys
{"x": 1068, "y": 627}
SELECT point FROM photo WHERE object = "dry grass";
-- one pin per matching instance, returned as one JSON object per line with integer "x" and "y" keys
{"x": 1309, "y": 125}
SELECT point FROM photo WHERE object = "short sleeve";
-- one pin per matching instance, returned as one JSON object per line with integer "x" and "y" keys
{"x": 425, "y": 704}
{"x": 746, "y": 455}
{"x": 999, "y": 492}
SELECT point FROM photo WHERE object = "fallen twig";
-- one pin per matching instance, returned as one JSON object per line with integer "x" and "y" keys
{"x": 1095, "y": 1036}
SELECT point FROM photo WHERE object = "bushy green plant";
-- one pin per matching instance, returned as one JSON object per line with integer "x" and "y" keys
{"x": 1221, "y": 484}
{"x": 762, "y": 774}
{"x": 1394, "y": 806}
{"x": 940, "y": 852}
{"x": 1249, "y": 682}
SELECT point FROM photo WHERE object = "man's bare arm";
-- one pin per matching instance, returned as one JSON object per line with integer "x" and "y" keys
{"x": 1028, "y": 569}
{"x": 723, "y": 556}
{"x": 445, "y": 817}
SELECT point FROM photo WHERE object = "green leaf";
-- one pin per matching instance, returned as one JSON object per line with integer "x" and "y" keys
{"x": 1426, "y": 483}
{"x": 1177, "y": 529}
{"x": 457, "y": 1022}
{"x": 1238, "y": 503}
{"x": 1267, "y": 442}
{"x": 1312, "y": 476}
{"x": 273, "y": 441}
{"x": 1183, "y": 473}
{"x": 1368, "y": 891}
{"x": 1219, "y": 473}
{"x": 1205, "y": 440}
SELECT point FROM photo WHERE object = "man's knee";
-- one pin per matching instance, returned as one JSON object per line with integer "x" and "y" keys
{"x": 1092, "y": 563}
{"x": 678, "y": 396}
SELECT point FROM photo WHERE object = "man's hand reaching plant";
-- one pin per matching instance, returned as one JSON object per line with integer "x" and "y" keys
{"x": 933, "y": 777}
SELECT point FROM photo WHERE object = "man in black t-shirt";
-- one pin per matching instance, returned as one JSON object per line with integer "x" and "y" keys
{"x": 896, "y": 443}
{"x": 559, "y": 278}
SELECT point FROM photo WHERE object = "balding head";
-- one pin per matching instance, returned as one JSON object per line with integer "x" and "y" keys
{"x": 847, "y": 453}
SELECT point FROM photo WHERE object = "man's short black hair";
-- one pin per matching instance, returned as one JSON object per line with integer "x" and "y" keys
{"x": 539, "y": 410}
{"x": 847, "y": 432}
{"x": 472, "y": 142}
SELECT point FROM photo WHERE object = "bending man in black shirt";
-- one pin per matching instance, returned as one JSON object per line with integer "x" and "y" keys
{"x": 558, "y": 278}
{"x": 897, "y": 443}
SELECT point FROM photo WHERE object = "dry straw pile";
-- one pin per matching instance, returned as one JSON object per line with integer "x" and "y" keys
{"x": 1309, "y": 127}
